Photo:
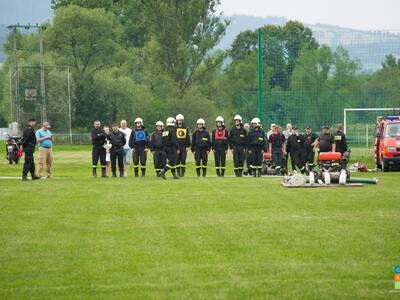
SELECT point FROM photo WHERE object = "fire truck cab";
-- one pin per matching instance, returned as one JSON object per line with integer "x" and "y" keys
{"x": 386, "y": 143}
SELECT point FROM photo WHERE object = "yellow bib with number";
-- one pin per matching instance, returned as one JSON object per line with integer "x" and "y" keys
{"x": 181, "y": 133}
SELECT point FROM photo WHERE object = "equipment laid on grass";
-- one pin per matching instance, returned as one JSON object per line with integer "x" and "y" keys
{"x": 269, "y": 168}
{"x": 332, "y": 172}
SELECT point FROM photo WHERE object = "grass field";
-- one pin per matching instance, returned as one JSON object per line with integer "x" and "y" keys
{"x": 75, "y": 237}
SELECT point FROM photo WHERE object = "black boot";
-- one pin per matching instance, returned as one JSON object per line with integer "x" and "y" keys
{"x": 254, "y": 172}
{"x": 25, "y": 178}
{"x": 222, "y": 172}
{"x": 259, "y": 173}
{"x": 237, "y": 173}
{"x": 178, "y": 170}
{"x": 94, "y": 172}
{"x": 103, "y": 172}
{"x": 162, "y": 174}
{"x": 204, "y": 172}
{"x": 183, "y": 169}
{"x": 174, "y": 174}
{"x": 198, "y": 171}
{"x": 114, "y": 174}
{"x": 143, "y": 172}
{"x": 218, "y": 172}
{"x": 240, "y": 172}
{"x": 136, "y": 172}
{"x": 121, "y": 173}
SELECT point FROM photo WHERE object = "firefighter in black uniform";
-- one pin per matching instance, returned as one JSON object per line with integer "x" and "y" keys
{"x": 310, "y": 142}
{"x": 220, "y": 146}
{"x": 257, "y": 145}
{"x": 183, "y": 137}
{"x": 238, "y": 144}
{"x": 201, "y": 145}
{"x": 171, "y": 148}
{"x": 98, "y": 151}
{"x": 340, "y": 140}
{"x": 117, "y": 140}
{"x": 295, "y": 145}
{"x": 326, "y": 141}
{"x": 28, "y": 146}
{"x": 157, "y": 148}
{"x": 139, "y": 142}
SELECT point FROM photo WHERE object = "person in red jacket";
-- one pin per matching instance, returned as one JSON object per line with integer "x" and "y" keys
{"x": 220, "y": 146}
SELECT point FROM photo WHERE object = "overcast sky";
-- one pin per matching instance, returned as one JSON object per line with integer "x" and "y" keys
{"x": 357, "y": 14}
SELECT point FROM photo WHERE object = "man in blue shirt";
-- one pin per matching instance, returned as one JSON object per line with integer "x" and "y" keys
{"x": 45, "y": 140}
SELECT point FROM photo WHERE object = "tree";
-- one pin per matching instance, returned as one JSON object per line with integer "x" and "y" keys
{"x": 186, "y": 31}
{"x": 391, "y": 62}
{"x": 244, "y": 44}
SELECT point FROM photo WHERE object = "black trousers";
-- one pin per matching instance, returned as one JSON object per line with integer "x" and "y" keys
{"x": 256, "y": 158}
{"x": 220, "y": 158}
{"x": 114, "y": 156}
{"x": 29, "y": 165}
{"x": 139, "y": 155}
{"x": 297, "y": 160}
{"x": 201, "y": 157}
{"x": 98, "y": 153}
{"x": 309, "y": 156}
{"x": 159, "y": 159}
{"x": 171, "y": 154}
{"x": 239, "y": 155}
{"x": 181, "y": 158}
{"x": 292, "y": 160}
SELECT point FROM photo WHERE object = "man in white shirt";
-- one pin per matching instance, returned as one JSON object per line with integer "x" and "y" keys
{"x": 289, "y": 130}
{"x": 127, "y": 150}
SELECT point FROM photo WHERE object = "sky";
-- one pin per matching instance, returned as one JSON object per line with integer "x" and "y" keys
{"x": 357, "y": 14}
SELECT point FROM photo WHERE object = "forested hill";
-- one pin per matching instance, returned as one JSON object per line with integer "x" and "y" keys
{"x": 360, "y": 44}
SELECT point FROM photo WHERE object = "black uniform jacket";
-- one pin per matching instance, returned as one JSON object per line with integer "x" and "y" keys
{"x": 238, "y": 137}
{"x": 29, "y": 140}
{"x": 201, "y": 140}
{"x": 220, "y": 138}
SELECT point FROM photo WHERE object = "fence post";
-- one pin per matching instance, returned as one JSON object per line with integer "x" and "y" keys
{"x": 260, "y": 76}
{"x": 69, "y": 106}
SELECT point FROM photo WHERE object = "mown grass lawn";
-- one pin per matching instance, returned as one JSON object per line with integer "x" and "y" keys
{"x": 75, "y": 237}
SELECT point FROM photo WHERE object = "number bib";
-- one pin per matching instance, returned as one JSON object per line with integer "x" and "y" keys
{"x": 140, "y": 136}
{"x": 181, "y": 133}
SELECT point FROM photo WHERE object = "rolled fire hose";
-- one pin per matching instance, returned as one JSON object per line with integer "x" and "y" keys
{"x": 363, "y": 180}
{"x": 297, "y": 180}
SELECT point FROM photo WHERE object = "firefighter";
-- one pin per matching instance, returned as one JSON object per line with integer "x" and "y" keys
{"x": 117, "y": 140}
{"x": 201, "y": 145}
{"x": 183, "y": 137}
{"x": 157, "y": 148}
{"x": 310, "y": 142}
{"x": 295, "y": 146}
{"x": 28, "y": 146}
{"x": 238, "y": 145}
{"x": 220, "y": 146}
{"x": 139, "y": 142}
{"x": 340, "y": 140}
{"x": 171, "y": 148}
{"x": 257, "y": 145}
{"x": 326, "y": 141}
{"x": 277, "y": 148}
{"x": 98, "y": 151}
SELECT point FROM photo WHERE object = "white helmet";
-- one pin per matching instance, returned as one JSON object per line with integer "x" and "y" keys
{"x": 201, "y": 121}
{"x": 219, "y": 119}
{"x": 180, "y": 117}
{"x": 237, "y": 117}
{"x": 139, "y": 120}
{"x": 256, "y": 121}
{"x": 170, "y": 121}
{"x": 159, "y": 123}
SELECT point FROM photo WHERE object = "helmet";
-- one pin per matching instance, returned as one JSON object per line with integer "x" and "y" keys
{"x": 170, "y": 121}
{"x": 180, "y": 117}
{"x": 201, "y": 121}
{"x": 139, "y": 120}
{"x": 219, "y": 119}
{"x": 237, "y": 117}
{"x": 159, "y": 123}
{"x": 256, "y": 121}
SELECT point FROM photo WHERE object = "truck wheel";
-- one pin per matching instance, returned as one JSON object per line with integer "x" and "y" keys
{"x": 385, "y": 164}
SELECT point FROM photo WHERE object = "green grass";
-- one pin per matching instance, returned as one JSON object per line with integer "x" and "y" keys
{"x": 74, "y": 237}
